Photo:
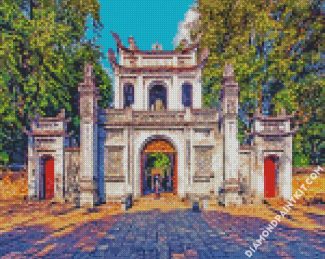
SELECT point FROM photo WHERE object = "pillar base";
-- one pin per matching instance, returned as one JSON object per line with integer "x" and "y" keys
{"x": 88, "y": 194}
{"x": 232, "y": 199}
{"x": 87, "y": 200}
{"x": 231, "y": 193}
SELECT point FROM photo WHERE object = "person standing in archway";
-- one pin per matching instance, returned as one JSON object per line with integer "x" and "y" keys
{"x": 157, "y": 186}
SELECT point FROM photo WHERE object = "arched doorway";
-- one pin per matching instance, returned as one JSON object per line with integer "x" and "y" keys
{"x": 270, "y": 176}
{"x": 47, "y": 178}
{"x": 157, "y": 148}
{"x": 158, "y": 98}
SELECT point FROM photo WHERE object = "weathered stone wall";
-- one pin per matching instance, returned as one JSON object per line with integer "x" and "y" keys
{"x": 72, "y": 168}
{"x": 114, "y": 163}
{"x": 245, "y": 169}
{"x": 203, "y": 161}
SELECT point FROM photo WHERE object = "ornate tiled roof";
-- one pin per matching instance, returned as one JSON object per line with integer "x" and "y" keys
{"x": 159, "y": 54}
{"x": 120, "y": 45}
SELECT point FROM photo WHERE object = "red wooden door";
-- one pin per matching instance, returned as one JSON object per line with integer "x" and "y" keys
{"x": 49, "y": 178}
{"x": 269, "y": 178}
{"x": 175, "y": 174}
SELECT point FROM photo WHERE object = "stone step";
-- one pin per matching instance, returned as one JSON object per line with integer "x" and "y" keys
{"x": 167, "y": 201}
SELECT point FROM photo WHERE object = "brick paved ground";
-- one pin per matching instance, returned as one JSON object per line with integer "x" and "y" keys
{"x": 50, "y": 230}
{"x": 156, "y": 234}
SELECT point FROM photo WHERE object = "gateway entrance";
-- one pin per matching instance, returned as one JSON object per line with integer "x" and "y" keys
{"x": 159, "y": 163}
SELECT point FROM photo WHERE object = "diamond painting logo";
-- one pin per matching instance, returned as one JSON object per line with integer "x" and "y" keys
{"x": 300, "y": 192}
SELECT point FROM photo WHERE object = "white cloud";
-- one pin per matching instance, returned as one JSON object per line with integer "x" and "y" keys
{"x": 191, "y": 17}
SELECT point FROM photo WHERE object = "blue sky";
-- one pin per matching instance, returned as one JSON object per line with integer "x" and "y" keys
{"x": 148, "y": 21}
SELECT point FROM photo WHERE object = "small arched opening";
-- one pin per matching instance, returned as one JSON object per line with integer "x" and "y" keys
{"x": 128, "y": 95}
{"x": 187, "y": 95}
{"x": 158, "y": 97}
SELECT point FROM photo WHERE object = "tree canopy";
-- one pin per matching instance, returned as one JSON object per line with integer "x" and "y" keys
{"x": 159, "y": 160}
{"x": 276, "y": 49}
{"x": 43, "y": 51}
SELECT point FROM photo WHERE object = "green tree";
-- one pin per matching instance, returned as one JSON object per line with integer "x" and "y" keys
{"x": 42, "y": 55}
{"x": 159, "y": 160}
{"x": 275, "y": 47}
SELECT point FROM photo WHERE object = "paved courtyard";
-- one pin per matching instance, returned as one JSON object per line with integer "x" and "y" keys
{"x": 156, "y": 234}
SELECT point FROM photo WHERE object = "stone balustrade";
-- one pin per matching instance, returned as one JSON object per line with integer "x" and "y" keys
{"x": 128, "y": 116}
{"x": 272, "y": 126}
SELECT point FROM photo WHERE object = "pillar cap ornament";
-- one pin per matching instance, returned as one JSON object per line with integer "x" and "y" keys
{"x": 257, "y": 112}
{"x": 88, "y": 77}
{"x": 228, "y": 71}
{"x": 229, "y": 76}
{"x": 283, "y": 111}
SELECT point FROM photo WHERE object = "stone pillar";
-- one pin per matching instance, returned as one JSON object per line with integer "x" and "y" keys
{"x": 197, "y": 92}
{"x": 101, "y": 164}
{"x": 117, "y": 99}
{"x": 88, "y": 139}
{"x": 229, "y": 99}
{"x": 218, "y": 166}
{"x": 139, "y": 94}
{"x": 181, "y": 180}
{"x": 287, "y": 169}
{"x": 60, "y": 180}
{"x": 174, "y": 97}
{"x": 259, "y": 173}
{"x": 175, "y": 62}
{"x": 32, "y": 160}
{"x": 146, "y": 88}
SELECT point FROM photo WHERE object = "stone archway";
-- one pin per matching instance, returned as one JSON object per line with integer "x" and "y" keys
{"x": 169, "y": 180}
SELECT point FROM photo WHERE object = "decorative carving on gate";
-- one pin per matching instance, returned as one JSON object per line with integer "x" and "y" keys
{"x": 203, "y": 161}
{"x": 114, "y": 160}
{"x": 159, "y": 146}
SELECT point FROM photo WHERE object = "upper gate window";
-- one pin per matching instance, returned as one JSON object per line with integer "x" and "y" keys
{"x": 158, "y": 98}
{"x": 128, "y": 95}
{"x": 187, "y": 93}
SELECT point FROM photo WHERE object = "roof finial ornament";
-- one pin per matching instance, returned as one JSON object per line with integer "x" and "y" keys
{"x": 257, "y": 112}
{"x": 229, "y": 75}
{"x": 228, "y": 71}
{"x": 117, "y": 38}
{"x": 88, "y": 70}
{"x": 283, "y": 111}
{"x": 132, "y": 43}
{"x": 156, "y": 46}
{"x": 88, "y": 75}
{"x": 112, "y": 58}
{"x": 204, "y": 54}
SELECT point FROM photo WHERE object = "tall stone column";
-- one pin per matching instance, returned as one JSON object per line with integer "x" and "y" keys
{"x": 174, "y": 95}
{"x": 117, "y": 94}
{"x": 286, "y": 191}
{"x": 229, "y": 99}
{"x": 139, "y": 94}
{"x": 32, "y": 164}
{"x": 88, "y": 139}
